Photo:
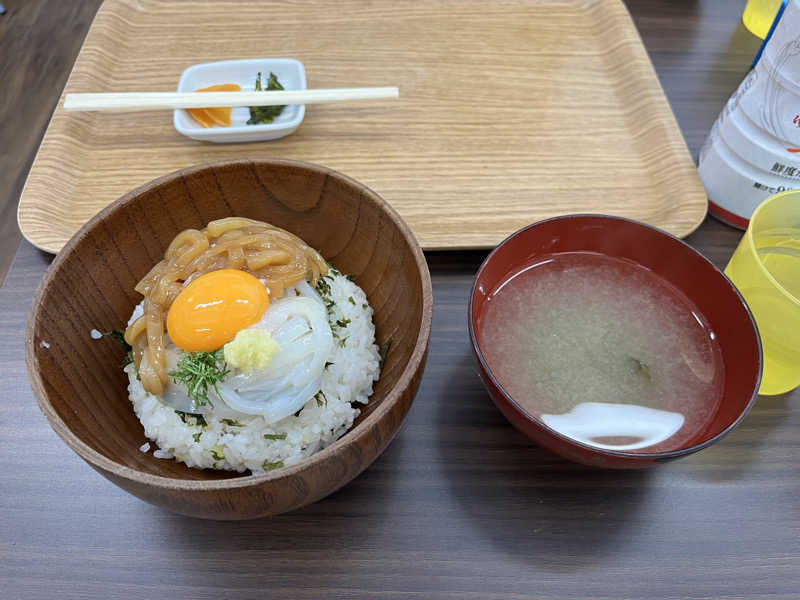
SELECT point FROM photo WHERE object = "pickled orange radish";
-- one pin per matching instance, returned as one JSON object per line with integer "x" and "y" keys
{"x": 220, "y": 115}
{"x": 199, "y": 115}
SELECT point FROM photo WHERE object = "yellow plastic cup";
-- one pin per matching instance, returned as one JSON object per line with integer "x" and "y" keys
{"x": 758, "y": 16}
{"x": 766, "y": 269}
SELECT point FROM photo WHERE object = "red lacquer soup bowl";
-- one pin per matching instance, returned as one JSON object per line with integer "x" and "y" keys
{"x": 666, "y": 257}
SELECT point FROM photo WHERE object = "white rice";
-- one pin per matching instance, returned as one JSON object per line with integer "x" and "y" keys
{"x": 221, "y": 445}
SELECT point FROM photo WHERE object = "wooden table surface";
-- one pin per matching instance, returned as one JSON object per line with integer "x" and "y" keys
{"x": 460, "y": 505}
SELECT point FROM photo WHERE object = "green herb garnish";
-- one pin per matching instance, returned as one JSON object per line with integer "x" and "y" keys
{"x": 199, "y": 420}
{"x": 328, "y": 364}
{"x": 218, "y": 452}
{"x": 350, "y": 277}
{"x": 231, "y": 422}
{"x": 324, "y": 291}
{"x": 197, "y": 435}
{"x": 275, "y": 436}
{"x": 199, "y": 371}
{"x": 384, "y": 351}
{"x": 260, "y": 115}
{"x": 127, "y": 359}
{"x": 324, "y": 288}
{"x": 317, "y": 398}
{"x": 271, "y": 466}
{"x": 350, "y": 299}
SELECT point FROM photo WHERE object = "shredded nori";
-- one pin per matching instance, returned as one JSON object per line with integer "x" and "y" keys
{"x": 199, "y": 419}
{"x": 118, "y": 336}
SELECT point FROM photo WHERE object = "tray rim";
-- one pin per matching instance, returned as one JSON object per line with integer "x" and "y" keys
{"x": 672, "y": 134}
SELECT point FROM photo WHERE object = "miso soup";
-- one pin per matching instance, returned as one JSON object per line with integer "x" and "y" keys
{"x": 604, "y": 351}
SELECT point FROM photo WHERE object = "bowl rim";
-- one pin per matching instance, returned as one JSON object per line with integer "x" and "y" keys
{"x": 105, "y": 464}
{"x": 634, "y": 456}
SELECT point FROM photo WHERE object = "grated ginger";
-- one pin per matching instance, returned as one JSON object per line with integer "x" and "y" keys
{"x": 251, "y": 349}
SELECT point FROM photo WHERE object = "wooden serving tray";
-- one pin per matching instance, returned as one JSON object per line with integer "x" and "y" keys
{"x": 510, "y": 112}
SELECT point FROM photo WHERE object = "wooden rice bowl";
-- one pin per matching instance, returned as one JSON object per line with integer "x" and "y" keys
{"x": 82, "y": 390}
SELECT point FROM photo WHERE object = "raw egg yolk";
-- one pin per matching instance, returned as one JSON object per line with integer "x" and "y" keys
{"x": 210, "y": 310}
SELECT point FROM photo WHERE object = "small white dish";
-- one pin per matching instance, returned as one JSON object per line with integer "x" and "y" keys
{"x": 290, "y": 73}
